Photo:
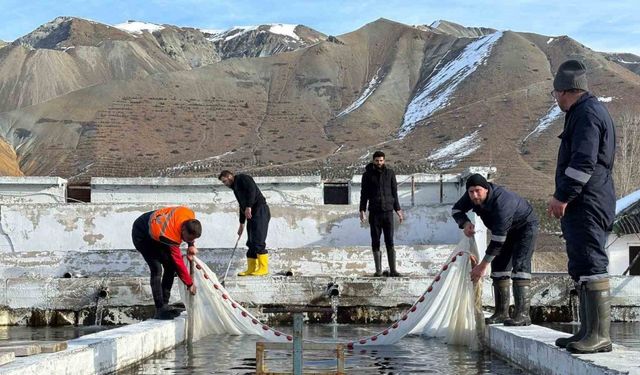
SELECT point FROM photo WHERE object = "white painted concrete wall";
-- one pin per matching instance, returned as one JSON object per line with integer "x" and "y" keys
{"x": 86, "y": 227}
{"x": 425, "y": 188}
{"x": 618, "y": 250}
{"x": 32, "y": 189}
{"x": 305, "y": 190}
{"x": 533, "y": 348}
{"x": 104, "y": 352}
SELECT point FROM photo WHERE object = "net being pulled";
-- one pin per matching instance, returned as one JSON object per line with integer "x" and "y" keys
{"x": 449, "y": 308}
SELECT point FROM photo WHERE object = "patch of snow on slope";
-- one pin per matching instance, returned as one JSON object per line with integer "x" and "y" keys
{"x": 553, "y": 113}
{"x": 211, "y": 31}
{"x": 550, "y": 40}
{"x": 605, "y": 99}
{"x": 623, "y": 61}
{"x": 437, "y": 90}
{"x": 371, "y": 87}
{"x": 435, "y": 24}
{"x": 193, "y": 165}
{"x": 626, "y": 201}
{"x": 135, "y": 27}
{"x": 232, "y": 33}
{"x": 284, "y": 29}
{"x": 450, "y": 155}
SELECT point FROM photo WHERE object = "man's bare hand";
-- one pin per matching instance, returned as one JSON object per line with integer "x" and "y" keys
{"x": 363, "y": 218}
{"x": 556, "y": 208}
{"x": 192, "y": 289}
{"x": 474, "y": 260}
{"x": 247, "y": 213}
{"x": 400, "y": 216}
{"x": 478, "y": 271}
{"x": 191, "y": 251}
{"x": 240, "y": 230}
{"x": 469, "y": 229}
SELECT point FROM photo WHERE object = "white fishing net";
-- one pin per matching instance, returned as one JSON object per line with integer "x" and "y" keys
{"x": 449, "y": 308}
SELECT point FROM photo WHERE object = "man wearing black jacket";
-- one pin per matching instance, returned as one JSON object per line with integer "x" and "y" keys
{"x": 514, "y": 227}
{"x": 255, "y": 212}
{"x": 380, "y": 189}
{"x": 585, "y": 201}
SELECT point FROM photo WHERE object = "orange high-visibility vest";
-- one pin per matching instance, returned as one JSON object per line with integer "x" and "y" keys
{"x": 167, "y": 222}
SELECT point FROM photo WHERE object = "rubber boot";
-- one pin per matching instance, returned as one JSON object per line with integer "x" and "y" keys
{"x": 522, "y": 298}
{"x": 501, "y": 297}
{"x": 252, "y": 265}
{"x": 582, "y": 314}
{"x": 377, "y": 259}
{"x": 178, "y": 308}
{"x": 166, "y": 313}
{"x": 263, "y": 265}
{"x": 598, "y": 311}
{"x": 391, "y": 257}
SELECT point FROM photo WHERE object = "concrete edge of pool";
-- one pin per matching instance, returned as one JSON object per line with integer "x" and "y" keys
{"x": 531, "y": 348}
{"x": 106, "y": 351}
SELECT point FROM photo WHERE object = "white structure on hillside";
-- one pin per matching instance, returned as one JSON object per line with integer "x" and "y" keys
{"x": 623, "y": 244}
{"x": 33, "y": 189}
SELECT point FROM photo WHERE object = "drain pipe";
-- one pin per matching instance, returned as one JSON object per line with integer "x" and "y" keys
{"x": 333, "y": 290}
{"x": 103, "y": 293}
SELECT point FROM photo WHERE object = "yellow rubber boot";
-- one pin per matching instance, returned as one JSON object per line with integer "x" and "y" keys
{"x": 252, "y": 266}
{"x": 263, "y": 265}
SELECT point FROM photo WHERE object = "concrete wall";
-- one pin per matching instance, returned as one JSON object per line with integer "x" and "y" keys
{"x": 424, "y": 188}
{"x": 533, "y": 348}
{"x": 295, "y": 190}
{"x": 349, "y": 261}
{"x": 419, "y": 189}
{"x": 618, "y": 249}
{"x": 86, "y": 227}
{"x": 56, "y": 301}
{"x": 32, "y": 189}
{"x": 104, "y": 352}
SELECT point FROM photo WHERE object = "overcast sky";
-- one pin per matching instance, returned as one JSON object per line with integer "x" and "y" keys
{"x": 601, "y": 25}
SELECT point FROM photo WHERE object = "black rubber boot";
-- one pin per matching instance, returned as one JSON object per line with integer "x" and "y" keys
{"x": 391, "y": 257}
{"x": 582, "y": 314}
{"x": 501, "y": 297}
{"x": 522, "y": 298}
{"x": 178, "y": 309}
{"x": 166, "y": 313}
{"x": 377, "y": 259}
{"x": 598, "y": 311}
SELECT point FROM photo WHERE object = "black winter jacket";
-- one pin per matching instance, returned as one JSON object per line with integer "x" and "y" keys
{"x": 380, "y": 189}
{"x": 247, "y": 193}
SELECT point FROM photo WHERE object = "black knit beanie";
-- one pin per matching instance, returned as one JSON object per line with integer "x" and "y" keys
{"x": 572, "y": 74}
{"x": 477, "y": 180}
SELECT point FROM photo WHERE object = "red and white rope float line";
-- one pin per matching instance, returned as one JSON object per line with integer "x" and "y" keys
{"x": 350, "y": 345}
{"x": 413, "y": 308}
{"x": 244, "y": 313}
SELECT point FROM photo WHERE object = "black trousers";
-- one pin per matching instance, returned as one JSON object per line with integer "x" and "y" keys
{"x": 158, "y": 257}
{"x": 257, "y": 229}
{"x": 514, "y": 260}
{"x": 381, "y": 222}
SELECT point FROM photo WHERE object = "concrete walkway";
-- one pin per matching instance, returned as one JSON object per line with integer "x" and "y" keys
{"x": 106, "y": 351}
{"x": 533, "y": 348}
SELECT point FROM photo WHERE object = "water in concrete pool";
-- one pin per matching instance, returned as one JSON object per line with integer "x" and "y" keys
{"x": 223, "y": 354}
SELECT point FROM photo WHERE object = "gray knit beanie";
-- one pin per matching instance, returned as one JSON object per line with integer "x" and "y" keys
{"x": 572, "y": 74}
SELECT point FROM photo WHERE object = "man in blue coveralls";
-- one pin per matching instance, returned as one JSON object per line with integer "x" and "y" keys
{"x": 585, "y": 201}
{"x": 514, "y": 228}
